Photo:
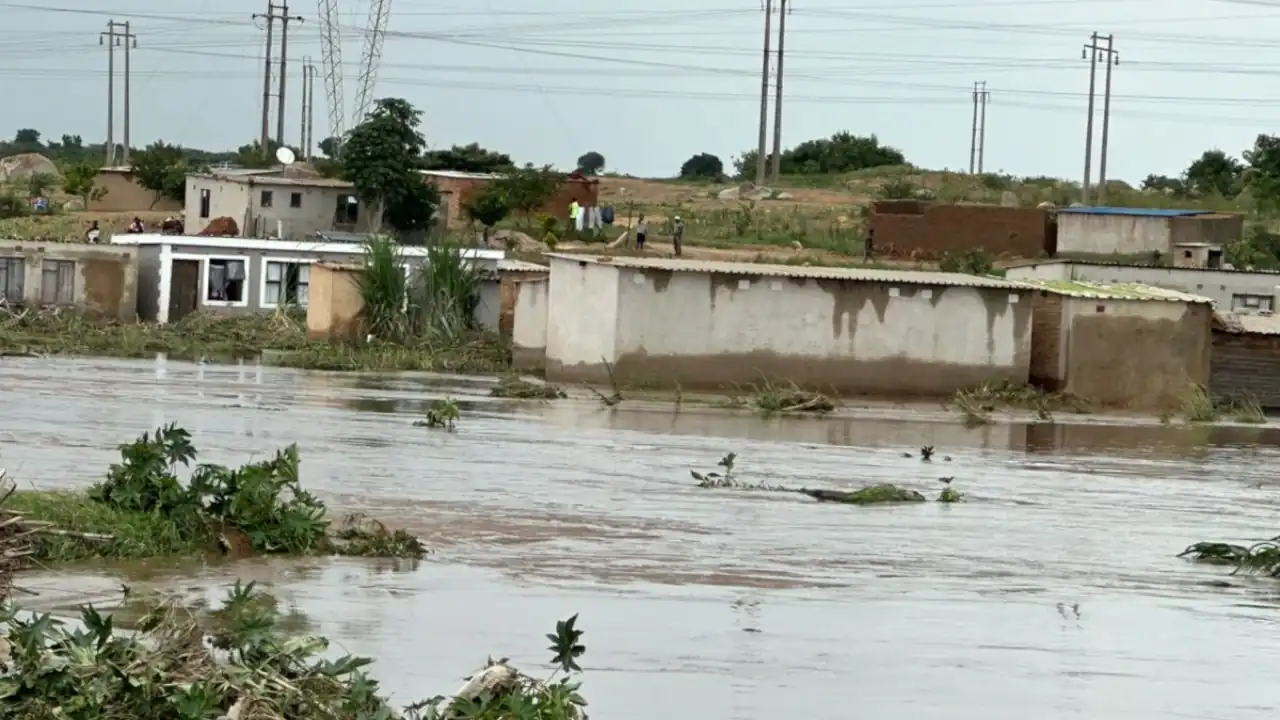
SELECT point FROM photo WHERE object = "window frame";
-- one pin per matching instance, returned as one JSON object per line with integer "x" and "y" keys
{"x": 341, "y": 201}
{"x": 1240, "y": 301}
{"x": 204, "y": 278}
{"x": 22, "y": 275}
{"x": 57, "y": 265}
{"x": 262, "y": 283}
{"x": 266, "y": 198}
{"x": 206, "y": 203}
{"x": 295, "y": 200}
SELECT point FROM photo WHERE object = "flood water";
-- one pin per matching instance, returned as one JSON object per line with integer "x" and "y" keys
{"x": 716, "y": 605}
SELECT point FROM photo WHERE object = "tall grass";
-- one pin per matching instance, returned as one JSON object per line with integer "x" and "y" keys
{"x": 383, "y": 289}
{"x": 445, "y": 294}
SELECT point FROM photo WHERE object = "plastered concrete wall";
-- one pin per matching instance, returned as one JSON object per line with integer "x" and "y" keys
{"x": 242, "y": 201}
{"x": 333, "y": 312}
{"x": 1138, "y": 355}
{"x": 529, "y": 326}
{"x": 1246, "y": 367}
{"x": 1217, "y": 285}
{"x": 582, "y": 324}
{"x": 1105, "y": 235}
{"x": 1216, "y": 229}
{"x": 226, "y": 199}
{"x": 928, "y": 230}
{"x": 105, "y": 280}
{"x": 124, "y": 194}
{"x": 488, "y": 313}
{"x": 714, "y": 330}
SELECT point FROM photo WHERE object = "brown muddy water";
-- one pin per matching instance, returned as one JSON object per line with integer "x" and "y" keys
{"x": 713, "y": 604}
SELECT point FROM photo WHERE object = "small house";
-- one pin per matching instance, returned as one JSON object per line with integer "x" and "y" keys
{"x": 180, "y": 274}
{"x": 716, "y": 324}
{"x": 1134, "y": 347}
{"x": 1246, "y": 358}
{"x": 281, "y": 203}
{"x": 1236, "y": 290}
{"x": 98, "y": 279}
{"x": 124, "y": 194}
{"x": 1175, "y": 237}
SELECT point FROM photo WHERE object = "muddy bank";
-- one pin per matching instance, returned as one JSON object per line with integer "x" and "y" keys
{"x": 782, "y": 606}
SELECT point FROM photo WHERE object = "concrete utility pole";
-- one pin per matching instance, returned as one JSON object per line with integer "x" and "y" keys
{"x": 308, "y": 106}
{"x": 1113, "y": 59}
{"x": 984, "y": 97}
{"x": 776, "y": 167}
{"x": 764, "y": 94}
{"x": 1090, "y": 53}
{"x": 117, "y": 34}
{"x": 274, "y": 12}
{"x": 978, "y": 128}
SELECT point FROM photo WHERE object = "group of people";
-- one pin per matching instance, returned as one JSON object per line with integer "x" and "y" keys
{"x": 677, "y": 234}
{"x": 170, "y": 226}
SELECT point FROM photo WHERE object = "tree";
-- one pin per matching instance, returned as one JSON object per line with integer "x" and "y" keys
{"x": 80, "y": 180}
{"x": 382, "y": 157}
{"x": 329, "y": 146}
{"x": 489, "y": 207}
{"x": 530, "y": 188}
{"x": 702, "y": 165}
{"x": 1215, "y": 172}
{"x": 411, "y": 213}
{"x": 840, "y": 153}
{"x": 162, "y": 169}
{"x": 27, "y": 136}
{"x": 39, "y": 183}
{"x": 1164, "y": 183}
{"x": 1264, "y": 172}
{"x": 467, "y": 158}
{"x": 591, "y": 163}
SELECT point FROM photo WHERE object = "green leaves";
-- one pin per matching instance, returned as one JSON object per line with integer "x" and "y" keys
{"x": 162, "y": 168}
{"x": 382, "y": 157}
{"x": 566, "y": 644}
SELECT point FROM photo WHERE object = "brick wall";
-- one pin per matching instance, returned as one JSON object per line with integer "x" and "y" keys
{"x": 927, "y": 230}
{"x": 1246, "y": 366}
{"x": 1046, "y": 340}
{"x": 457, "y": 192}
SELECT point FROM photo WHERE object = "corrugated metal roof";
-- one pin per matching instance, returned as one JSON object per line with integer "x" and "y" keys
{"x": 1119, "y": 291}
{"x": 512, "y": 265}
{"x": 1248, "y": 324}
{"x": 1139, "y": 212}
{"x": 815, "y": 272}
{"x": 460, "y": 175}
{"x": 1142, "y": 266}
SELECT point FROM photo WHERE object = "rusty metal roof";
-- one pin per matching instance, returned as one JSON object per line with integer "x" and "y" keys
{"x": 814, "y": 272}
{"x": 1248, "y": 324}
{"x": 1118, "y": 291}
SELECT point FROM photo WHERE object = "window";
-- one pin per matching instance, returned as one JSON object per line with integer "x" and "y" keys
{"x": 205, "y": 201}
{"x": 348, "y": 210}
{"x": 295, "y": 200}
{"x": 12, "y": 272}
{"x": 265, "y": 199}
{"x": 225, "y": 281}
{"x": 58, "y": 282}
{"x": 1252, "y": 303}
{"x": 286, "y": 283}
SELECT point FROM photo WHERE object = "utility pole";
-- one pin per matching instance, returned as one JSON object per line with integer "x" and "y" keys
{"x": 308, "y": 106}
{"x": 115, "y": 35}
{"x": 1112, "y": 59}
{"x": 274, "y": 12}
{"x": 776, "y": 168}
{"x": 764, "y": 94}
{"x": 983, "y": 98}
{"x": 1090, "y": 53}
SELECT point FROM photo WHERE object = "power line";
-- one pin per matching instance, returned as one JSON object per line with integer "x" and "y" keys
{"x": 274, "y": 13}
{"x": 1095, "y": 52}
{"x": 116, "y": 35}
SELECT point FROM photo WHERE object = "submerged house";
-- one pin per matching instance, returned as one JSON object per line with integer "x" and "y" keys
{"x": 180, "y": 274}
{"x": 714, "y": 324}
{"x": 1134, "y": 347}
{"x": 1246, "y": 358}
{"x": 95, "y": 278}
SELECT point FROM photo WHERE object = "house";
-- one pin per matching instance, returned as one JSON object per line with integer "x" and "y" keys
{"x": 928, "y": 230}
{"x": 1175, "y": 237}
{"x": 529, "y": 324}
{"x": 285, "y": 203}
{"x": 511, "y": 275}
{"x": 457, "y": 188}
{"x": 1134, "y": 347}
{"x": 1230, "y": 290}
{"x": 1246, "y": 358}
{"x": 124, "y": 194}
{"x": 715, "y": 324}
{"x": 180, "y": 274}
{"x": 98, "y": 279}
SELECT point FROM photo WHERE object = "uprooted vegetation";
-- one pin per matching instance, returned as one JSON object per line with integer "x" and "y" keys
{"x": 724, "y": 478}
{"x": 783, "y": 398}
{"x": 517, "y": 388}
{"x": 143, "y": 509}
{"x": 979, "y": 403}
{"x": 443, "y": 414}
{"x": 240, "y": 663}
{"x": 1262, "y": 558}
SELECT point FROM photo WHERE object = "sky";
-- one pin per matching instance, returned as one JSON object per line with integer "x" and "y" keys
{"x": 648, "y": 83}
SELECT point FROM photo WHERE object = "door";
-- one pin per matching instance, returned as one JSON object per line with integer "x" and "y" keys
{"x": 184, "y": 289}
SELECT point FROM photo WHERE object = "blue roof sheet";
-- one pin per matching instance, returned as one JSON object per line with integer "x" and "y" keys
{"x": 1140, "y": 212}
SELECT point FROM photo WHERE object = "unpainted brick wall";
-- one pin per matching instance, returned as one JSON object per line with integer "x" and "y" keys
{"x": 927, "y": 230}
{"x": 1046, "y": 341}
{"x": 1246, "y": 367}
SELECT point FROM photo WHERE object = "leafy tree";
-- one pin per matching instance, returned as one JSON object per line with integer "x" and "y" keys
{"x": 1264, "y": 172}
{"x": 27, "y": 136}
{"x": 530, "y": 188}
{"x": 329, "y": 146}
{"x": 1164, "y": 183}
{"x": 39, "y": 183}
{"x": 840, "y": 153}
{"x": 382, "y": 157}
{"x": 410, "y": 214}
{"x": 591, "y": 163}
{"x": 162, "y": 169}
{"x": 80, "y": 180}
{"x": 702, "y": 165}
{"x": 489, "y": 207}
{"x": 1215, "y": 172}
{"x": 468, "y": 158}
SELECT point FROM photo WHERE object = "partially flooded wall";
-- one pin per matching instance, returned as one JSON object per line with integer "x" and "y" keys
{"x": 1246, "y": 366}
{"x": 1139, "y": 355}
{"x": 715, "y": 330}
{"x": 529, "y": 326}
{"x": 103, "y": 278}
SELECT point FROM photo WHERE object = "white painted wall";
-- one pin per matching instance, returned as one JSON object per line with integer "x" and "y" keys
{"x": 796, "y": 318}
{"x": 585, "y": 298}
{"x": 529, "y": 327}
{"x": 1113, "y": 234}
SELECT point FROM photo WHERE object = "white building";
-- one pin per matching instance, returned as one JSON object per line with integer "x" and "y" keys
{"x": 715, "y": 324}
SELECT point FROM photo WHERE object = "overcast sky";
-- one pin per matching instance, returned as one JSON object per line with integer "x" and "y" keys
{"x": 650, "y": 82}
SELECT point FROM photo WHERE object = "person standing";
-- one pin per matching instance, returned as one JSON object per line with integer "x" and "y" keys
{"x": 642, "y": 232}
{"x": 677, "y": 234}
{"x": 575, "y": 212}
{"x": 94, "y": 234}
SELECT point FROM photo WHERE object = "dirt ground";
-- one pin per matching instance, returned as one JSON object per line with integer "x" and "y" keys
{"x": 619, "y": 191}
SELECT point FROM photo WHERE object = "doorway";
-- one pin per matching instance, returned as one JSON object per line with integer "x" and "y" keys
{"x": 184, "y": 289}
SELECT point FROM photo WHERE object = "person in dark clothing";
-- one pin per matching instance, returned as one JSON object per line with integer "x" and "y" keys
{"x": 677, "y": 234}
{"x": 642, "y": 232}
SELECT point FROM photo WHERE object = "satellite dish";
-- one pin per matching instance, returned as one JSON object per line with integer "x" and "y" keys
{"x": 285, "y": 156}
